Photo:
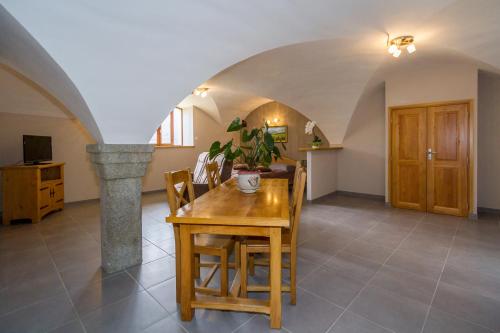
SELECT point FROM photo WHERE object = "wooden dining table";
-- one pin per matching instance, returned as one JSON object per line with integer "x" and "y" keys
{"x": 227, "y": 211}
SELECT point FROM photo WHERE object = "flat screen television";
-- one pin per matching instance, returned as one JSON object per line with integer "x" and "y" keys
{"x": 37, "y": 149}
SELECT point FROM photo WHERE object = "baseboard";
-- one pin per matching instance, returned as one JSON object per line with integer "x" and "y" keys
{"x": 351, "y": 194}
{"x": 97, "y": 199}
{"x": 488, "y": 210}
{"x": 154, "y": 191}
{"x": 81, "y": 201}
{"x": 361, "y": 195}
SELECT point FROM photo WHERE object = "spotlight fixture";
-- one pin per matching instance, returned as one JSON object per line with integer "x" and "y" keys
{"x": 202, "y": 92}
{"x": 395, "y": 45}
{"x": 275, "y": 121}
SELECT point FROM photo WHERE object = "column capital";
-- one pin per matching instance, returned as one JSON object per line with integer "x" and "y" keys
{"x": 115, "y": 161}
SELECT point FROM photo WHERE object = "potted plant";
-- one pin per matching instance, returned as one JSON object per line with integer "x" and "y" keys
{"x": 256, "y": 149}
{"x": 310, "y": 125}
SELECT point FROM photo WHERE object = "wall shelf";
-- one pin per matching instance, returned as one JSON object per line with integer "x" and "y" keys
{"x": 333, "y": 147}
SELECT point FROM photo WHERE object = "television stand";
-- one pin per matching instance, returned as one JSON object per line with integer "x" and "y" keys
{"x": 37, "y": 163}
{"x": 32, "y": 191}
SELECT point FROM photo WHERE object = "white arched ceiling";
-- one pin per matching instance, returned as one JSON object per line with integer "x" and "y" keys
{"x": 22, "y": 56}
{"x": 206, "y": 104}
{"x": 306, "y": 77}
{"x": 132, "y": 61}
{"x": 18, "y": 95}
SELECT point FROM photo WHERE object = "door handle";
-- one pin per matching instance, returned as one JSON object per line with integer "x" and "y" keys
{"x": 430, "y": 153}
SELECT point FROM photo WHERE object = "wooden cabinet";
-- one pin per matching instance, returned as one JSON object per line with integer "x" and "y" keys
{"x": 32, "y": 191}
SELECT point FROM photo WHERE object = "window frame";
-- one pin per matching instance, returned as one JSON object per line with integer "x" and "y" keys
{"x": 159, "y": 143}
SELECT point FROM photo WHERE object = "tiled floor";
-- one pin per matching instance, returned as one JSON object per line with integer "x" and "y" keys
{"x": 362, "y": 268}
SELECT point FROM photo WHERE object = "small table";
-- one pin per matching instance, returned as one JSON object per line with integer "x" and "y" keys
{"x": 227, "y": 211}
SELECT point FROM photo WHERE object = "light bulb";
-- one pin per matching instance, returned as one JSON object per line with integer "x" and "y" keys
{"x": 396, "y": 53}
{"x": 268, "y": 122}
{"x": 196, "y": 92}
{"x": 411, "y": 48}
{"x": 392, "y": 48}
{"x": 204, "y": 94}
{"x": 276, "y": 120}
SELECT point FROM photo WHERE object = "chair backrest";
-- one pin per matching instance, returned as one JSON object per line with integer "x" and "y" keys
{"x": 213, "y": 175}
{"x": 297, "y": 198}
{"x": 177, "y": 183}
{"x": 200, "y": 175}
{"x": 298, "y": 166}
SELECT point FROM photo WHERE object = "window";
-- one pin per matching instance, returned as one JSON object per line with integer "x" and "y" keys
{"x": 176, "y": 130}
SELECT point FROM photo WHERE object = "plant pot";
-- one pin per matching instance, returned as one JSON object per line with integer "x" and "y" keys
{"x": 316, "y": 144}
{"x": 248, "y": 181}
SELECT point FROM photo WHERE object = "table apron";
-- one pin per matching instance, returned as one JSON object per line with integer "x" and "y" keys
{"x": 229, "y": 230}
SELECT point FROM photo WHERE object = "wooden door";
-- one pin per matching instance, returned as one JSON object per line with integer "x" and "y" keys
{"x": 447, "y": 163}
{"x": 408, "y": 165}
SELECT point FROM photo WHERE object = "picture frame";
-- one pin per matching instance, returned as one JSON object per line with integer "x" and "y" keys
{"x": 279, "y": 133}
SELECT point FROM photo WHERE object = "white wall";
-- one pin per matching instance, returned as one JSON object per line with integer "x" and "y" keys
{"x": 489, "y": 141}
{"x": 206, "y": 131}
{"x": 69, "y": 140}
{"x": 434, "y": 82}
{"x": 321, "y": 173}
{"x": 361, "y": 164}
{"x": 68, "y": 145}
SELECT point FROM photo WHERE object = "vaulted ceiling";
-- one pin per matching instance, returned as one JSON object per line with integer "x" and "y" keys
{"x": 128, "y": 62}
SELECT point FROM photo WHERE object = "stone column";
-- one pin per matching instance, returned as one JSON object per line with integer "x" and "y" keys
{"x": 120, "y": 169}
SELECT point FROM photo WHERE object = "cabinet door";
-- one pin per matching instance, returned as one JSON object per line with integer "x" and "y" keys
{"x": 58, "y": 194}
{"x": 45, "y": 198}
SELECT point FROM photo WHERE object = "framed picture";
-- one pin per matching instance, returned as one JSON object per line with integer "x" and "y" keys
{"x": 279, "y": 133}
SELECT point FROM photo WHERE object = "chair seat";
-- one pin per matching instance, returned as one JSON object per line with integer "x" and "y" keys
{"x": 260, "y": 243}
{"x": 219, "y": 242}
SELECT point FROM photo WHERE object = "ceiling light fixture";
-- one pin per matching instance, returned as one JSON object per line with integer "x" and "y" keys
{"x": 202, "y": 92}
{"x": 395, "y": 45}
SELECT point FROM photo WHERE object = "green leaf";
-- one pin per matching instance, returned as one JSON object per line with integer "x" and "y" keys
{"x": 235, "y": 125}
{"x": 276, "y": 152}
{"x": 269, "y": 140}
{"x": 214, "y": 149}
{"x": 227, "y": 146}
{"x": 238, "y": 152}
{"x": 246, "y": 137}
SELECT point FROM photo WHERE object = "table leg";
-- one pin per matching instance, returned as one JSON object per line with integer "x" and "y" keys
{"x": 275, "y": 274}
{"x": 177, "y": 235}
{"x": 187, "y": 282}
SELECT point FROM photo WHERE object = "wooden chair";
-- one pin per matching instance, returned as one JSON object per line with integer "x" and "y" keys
{"x": 213, "y": 175}
{"x": 251, "y": 257}
{"x": 214, "y": 179}
{"x": 289, "y": 245}
{"x": 221, "y": 246}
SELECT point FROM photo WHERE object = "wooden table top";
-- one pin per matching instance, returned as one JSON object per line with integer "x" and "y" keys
{"x": 226, "y": 205}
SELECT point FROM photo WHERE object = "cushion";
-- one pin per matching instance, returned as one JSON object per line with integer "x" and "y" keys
{"x": 200, "y": 171}
{"x": 279, "y": 167}
{"x": 264, "y": 169}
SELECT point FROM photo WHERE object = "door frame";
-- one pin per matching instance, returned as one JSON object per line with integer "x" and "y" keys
{"x": 470, "y": 149}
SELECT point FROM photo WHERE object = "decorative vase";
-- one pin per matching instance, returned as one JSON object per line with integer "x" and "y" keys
{"x": 316, "y": 144}
{"x": 248, "y": 181}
